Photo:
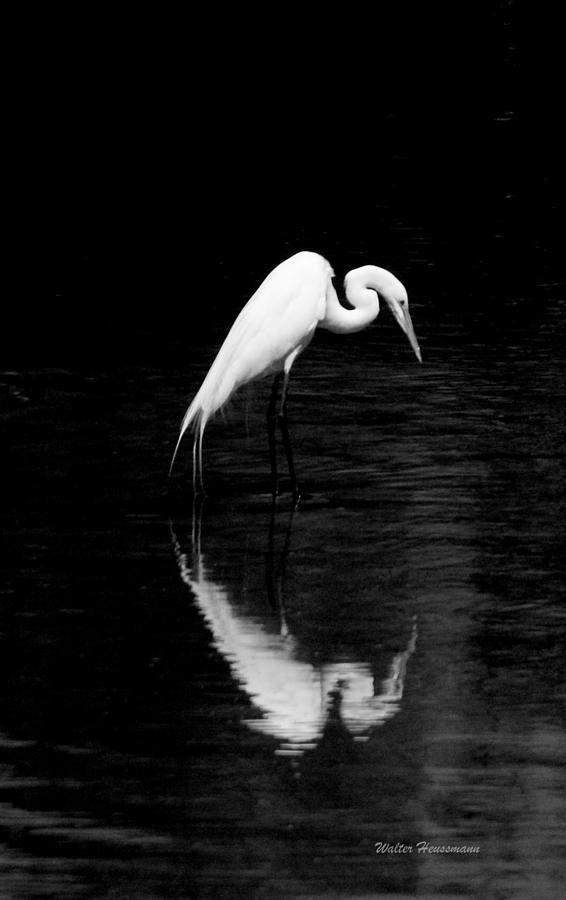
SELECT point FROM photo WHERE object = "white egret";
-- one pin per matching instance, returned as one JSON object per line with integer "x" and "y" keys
{"x": 275, "y": 325}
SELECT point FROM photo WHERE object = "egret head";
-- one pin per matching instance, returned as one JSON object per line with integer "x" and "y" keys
{"x": 363, "y": 288}
{"x": 398, "y": 303}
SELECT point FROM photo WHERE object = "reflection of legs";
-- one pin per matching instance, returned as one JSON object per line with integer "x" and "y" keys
{"x": 271, "y": 427}
{"x": 283, "y": 425}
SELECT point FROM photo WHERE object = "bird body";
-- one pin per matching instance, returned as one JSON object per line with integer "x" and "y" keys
{"x": 276, "y": 323}
{"x": 279, "y": 321}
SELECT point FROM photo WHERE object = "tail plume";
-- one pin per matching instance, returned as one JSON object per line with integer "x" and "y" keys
{"x": 218, "y": 386}
{"x": 212, "y": 395}
{"x": 195, "y": 418}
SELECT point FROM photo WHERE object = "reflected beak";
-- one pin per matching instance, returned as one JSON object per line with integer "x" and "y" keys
{"x": 404, "y": 319}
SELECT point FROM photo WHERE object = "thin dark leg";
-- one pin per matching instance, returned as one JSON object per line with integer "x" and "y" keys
{"x": 275, "y": 572}
{"x": 271, "y": 429}
{"x": 283, "y": 425}
{"x": 270, "y": 577}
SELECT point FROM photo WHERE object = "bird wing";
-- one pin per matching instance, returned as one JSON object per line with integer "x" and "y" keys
{"x": 277, "y": 320}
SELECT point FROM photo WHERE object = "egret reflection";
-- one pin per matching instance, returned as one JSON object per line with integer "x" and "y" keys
{"x": 295, "y": 698}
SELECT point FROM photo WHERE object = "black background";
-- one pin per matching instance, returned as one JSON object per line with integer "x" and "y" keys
{"x": 162, "y": 166}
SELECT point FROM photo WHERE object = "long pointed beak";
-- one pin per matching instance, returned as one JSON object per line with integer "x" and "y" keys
{"x": 403, "y": 317}
{"x": 407, "y": 326}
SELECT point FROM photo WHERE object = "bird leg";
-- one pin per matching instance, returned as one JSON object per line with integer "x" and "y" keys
{"x": 283, "y": 425}
{"x": 275, "y": 572}
{"x": 270, "y": 572}
{"x": 271, "y": 429}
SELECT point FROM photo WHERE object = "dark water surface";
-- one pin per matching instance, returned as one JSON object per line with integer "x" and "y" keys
{"x": 214, "y": 703}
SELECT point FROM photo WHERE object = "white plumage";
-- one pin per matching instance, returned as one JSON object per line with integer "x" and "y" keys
{"x": 278, "y": 322}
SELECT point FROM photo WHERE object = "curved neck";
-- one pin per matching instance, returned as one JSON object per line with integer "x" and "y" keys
{"x": 362, "y": 286}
